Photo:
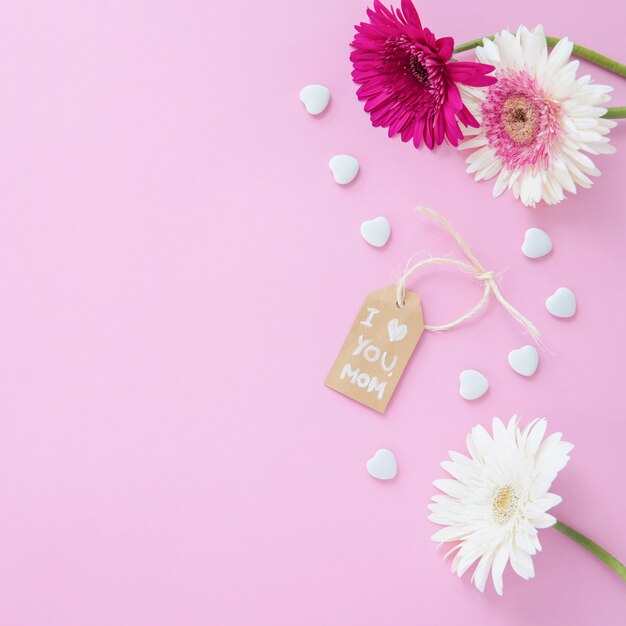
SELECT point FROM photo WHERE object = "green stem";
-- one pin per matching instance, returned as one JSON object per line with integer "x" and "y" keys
{"x": 594, "y": 57}
{"x": 613, "y": 113}
{"x": 470, "y": 45}
{"x": 594, "y": 548}
{"x": 580, "y": 51}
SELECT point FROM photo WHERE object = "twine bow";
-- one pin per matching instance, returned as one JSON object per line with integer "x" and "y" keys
{"x": 475, "y": 267}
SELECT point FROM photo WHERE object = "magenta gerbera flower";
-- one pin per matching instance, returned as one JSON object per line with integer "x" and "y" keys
{"x": 407, "y": 78}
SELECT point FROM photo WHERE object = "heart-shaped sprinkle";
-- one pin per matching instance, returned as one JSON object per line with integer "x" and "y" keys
{"x": 383, "y": 465}
{"x": 562, "y": 303}
{"x": 473, "y": 384}
{"x": 524, "y": 360}
{"x": 315, "y": 98}
{"x": 344, "y": 168}
{"x": 397, "y": 332}
{"x": 376, "y": 232}
{"x": 536, "y": 244}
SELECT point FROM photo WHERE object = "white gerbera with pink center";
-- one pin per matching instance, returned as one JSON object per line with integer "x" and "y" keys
{"x": 537, "y": 121}
{"x": 498, "y": 497}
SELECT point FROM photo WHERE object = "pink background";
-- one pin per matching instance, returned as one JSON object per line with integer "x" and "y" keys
{"x": 178, "y": 271}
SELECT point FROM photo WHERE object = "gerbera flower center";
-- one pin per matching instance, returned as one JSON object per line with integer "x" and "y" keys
{"x": 405, "y": 61}
{"x": 522, "y": 123}
{"x": 504, "y": 503}
{"x": 419, "y": 71}
{"x": 520, "y": 119}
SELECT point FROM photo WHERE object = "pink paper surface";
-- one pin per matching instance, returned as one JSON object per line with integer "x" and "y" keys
{"x": 178, "y": 271}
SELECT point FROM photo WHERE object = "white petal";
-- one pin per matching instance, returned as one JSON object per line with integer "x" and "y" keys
{"x": 474, "y": 142}
{"x": 578, "y": 176}
{"x": 545, "y": 520}
{"x": 501, "y": 182}
{"x": 582, "y": 161}
{"x": 449, "y": 533}
{"x": 522, "y": 563}
{"x": 535, "y": 435}
{"x": 565, "y": 180}
{"x": 511, "y": 55}
{"x": 534, "y": 46}
{"x": 497, "y": 569}
{"x": 488, "y": 53}
{"x": 600, "y": 148}
{"x": 489, "y": 171}
{"x": 479, "y": 159}
{"x": 479, "y": 578}
{"x": 557, "y": 59}
{"x": 482, "y": 441}
{"x": 453, "y": 488}
{"x": 462, "y": 473}
{"x": 547, "y": 501}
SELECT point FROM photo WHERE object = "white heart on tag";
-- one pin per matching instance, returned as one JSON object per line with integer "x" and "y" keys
{"x": 524, "y": 360}
{"x": 315, "y": 98}
{"x": 383, "y": 465}
{"x": 473, "y": 384}
{"x": 376, "y": 232}
{"x": 344, "y": 168}
{"x": 562, "y": 303}
{"x": 536, "y": 244}
{"x": 397, "y": 332}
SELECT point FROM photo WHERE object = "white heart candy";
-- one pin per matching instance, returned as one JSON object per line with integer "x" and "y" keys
{"x": 562, "y": 303}
{"x": 397, "y": 332}
{"x": 473, "y": 384}
{"x": 536, "y": 244}
{"x": 376, "y": 232}
{"x": 344, "y": 168}
{"x": 524, "y": 360}
{"x": 383, "y": 465}
{"x": 315, "y": 98}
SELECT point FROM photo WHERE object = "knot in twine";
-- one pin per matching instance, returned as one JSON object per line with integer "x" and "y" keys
{"x": 485, "y": 277}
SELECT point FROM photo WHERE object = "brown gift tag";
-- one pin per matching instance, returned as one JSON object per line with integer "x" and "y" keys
{"x": 377, "y": 348}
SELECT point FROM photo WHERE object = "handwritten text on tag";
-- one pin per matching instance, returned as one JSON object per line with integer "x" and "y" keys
{"x": 377, "y": 348}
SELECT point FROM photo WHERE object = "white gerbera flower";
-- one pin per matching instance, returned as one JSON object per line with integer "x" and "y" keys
{"x": 498, "y": 498}
{"x": 537, "y": 121}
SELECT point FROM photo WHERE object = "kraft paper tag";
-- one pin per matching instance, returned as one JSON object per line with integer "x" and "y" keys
{"x": 377, "y": 348}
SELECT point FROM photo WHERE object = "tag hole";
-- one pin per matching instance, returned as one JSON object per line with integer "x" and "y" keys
{"x": 400, "y": 306}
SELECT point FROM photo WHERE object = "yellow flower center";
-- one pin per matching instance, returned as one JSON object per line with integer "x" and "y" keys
{"x": 519, "y": 116}
{"x": 504, "y": 503}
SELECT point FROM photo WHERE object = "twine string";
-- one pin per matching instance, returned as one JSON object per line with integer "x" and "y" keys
{"x": 487, "y": 278}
